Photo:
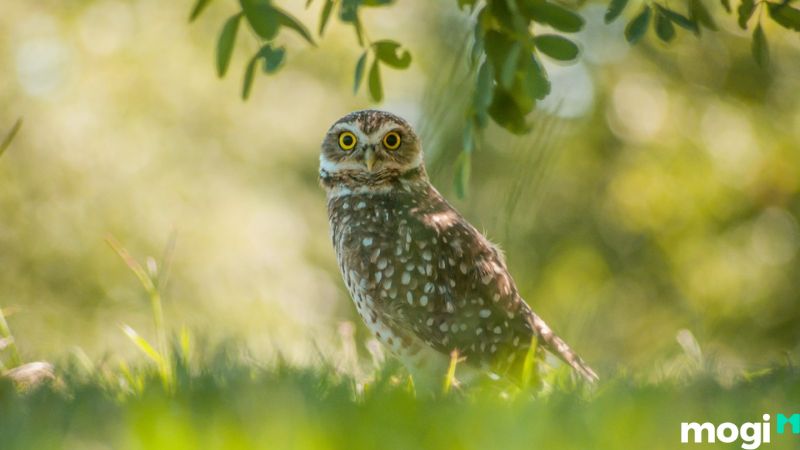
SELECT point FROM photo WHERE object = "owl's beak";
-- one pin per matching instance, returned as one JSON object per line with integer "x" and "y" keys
{"x": 369, "y": 158}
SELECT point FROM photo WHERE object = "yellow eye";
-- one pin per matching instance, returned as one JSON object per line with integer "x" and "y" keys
{"x": 391, "y": 140}
{"x": 347, "y": 140}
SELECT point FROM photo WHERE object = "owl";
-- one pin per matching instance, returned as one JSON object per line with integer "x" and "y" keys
{"x": 424, "y": 280}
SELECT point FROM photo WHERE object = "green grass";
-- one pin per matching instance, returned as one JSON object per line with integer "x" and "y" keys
{"x": 222, "y": 400}
{"x": 189, "y": 394}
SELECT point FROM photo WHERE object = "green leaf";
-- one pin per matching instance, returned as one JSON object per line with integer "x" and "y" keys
{"x": 468, "y": 138}
{"x": 505, "y": 111}
{"x": 509, "y": 66}
{"x": 273, "y": 57}
{"x": 615, "y": 8}
{"x": 360, "y": 66}
{"x": 784, "y": 15}
{"x": 637, "y": 27}
{"x": 500, "y": 11}
{"x": 497, "y": 47}
{"x": 553, "y": 15}
{"x": 326, "y": 14}
{"x": 390, "y": 53}
{"x": 759, "y": 47}
{"x": 699, "y": 14}
{"x": 463, "y": 174}
{"x": 10, "y": 136}
{"x": 348, "y": 11}
{"x": 726, "y": 4}
{"x": 556, "y": 47}
{"x": 483, "y": 93}
{"x": 664, "y": 28}
{"x": 535, "y": 82}
{"x": 198, "y": 9}
{"x": 287, "y": 20}
{"x": 678, "y": 19}
{"x": 375, "y": 87}
{"x": 745, "y": 11}
{"x": 359, "y": 31}
{"x": 262, "y": 18}
{"x": 227, "y": 39}
{"x": 249, "y": 74}
{"x": 530, "y": 84}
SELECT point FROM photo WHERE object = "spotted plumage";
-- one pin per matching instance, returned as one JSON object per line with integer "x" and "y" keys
{"x": 423, "y": 279}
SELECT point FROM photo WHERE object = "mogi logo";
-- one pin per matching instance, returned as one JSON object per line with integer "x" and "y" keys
{"x": 752, "y": 434}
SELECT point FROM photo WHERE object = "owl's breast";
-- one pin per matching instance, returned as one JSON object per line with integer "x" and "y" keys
{"x": 367, "y": 226}
{"x": 372, "y": 240}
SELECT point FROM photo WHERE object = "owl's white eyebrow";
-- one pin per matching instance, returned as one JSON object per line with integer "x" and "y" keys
{"x": 377, "y": 136}
{"x": 339, "y": 127}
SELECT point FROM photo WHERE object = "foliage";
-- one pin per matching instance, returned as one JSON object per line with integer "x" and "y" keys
{"x": 699, "y": 17}
{"x": 506, "y": 48}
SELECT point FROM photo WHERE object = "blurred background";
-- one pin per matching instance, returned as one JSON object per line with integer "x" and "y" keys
{"x": 653, "y": 208}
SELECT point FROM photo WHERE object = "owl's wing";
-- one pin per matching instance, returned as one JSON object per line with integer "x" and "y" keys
{"x": 460, "y": 296}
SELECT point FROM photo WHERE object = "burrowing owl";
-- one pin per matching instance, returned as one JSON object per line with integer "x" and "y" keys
{"x": 424, "y": 280}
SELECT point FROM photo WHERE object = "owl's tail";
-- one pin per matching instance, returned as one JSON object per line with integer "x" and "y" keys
{"x": 558, "y": 347}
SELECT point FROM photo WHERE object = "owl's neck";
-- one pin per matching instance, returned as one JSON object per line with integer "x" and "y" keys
{"x": 359, "y": 181}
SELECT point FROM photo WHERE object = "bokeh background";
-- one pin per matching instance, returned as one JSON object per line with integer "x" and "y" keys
{"x": 651, "y": 213}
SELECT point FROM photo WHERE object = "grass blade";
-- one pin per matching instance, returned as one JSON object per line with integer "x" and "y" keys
{"x": 10, "y": 136}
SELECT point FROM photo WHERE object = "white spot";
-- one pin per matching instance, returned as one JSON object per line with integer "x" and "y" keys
{"x": 443, "y": 326}
{"x": 410, "y": 298}
{"x": 423, "y": 300}
{"x": 479, "y": 331}
{"x": 429, "y": 322}
{"x": 485, "y": 313}
{"x": 361, "y": 205}
{"x": 429, "y": 287}
{"x": 382, "y": 263}
{"x": 367, "y": 241}
{"x": 463, "y": 268}
{"x": 405, "y": 278}
{"x": 497, "y": 330}
{"x": 426, "y": 255}
{"x": 378, "y": 276}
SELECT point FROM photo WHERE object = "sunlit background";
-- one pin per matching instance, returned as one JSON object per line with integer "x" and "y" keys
{"x": 652, "y": 209}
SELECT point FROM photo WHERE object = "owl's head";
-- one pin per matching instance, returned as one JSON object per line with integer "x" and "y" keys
{"x": 370, "y": 144}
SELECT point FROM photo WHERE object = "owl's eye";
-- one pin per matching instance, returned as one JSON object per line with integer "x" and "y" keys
{"x": 391, "y": 140}
{"x": 347, "y": 140}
